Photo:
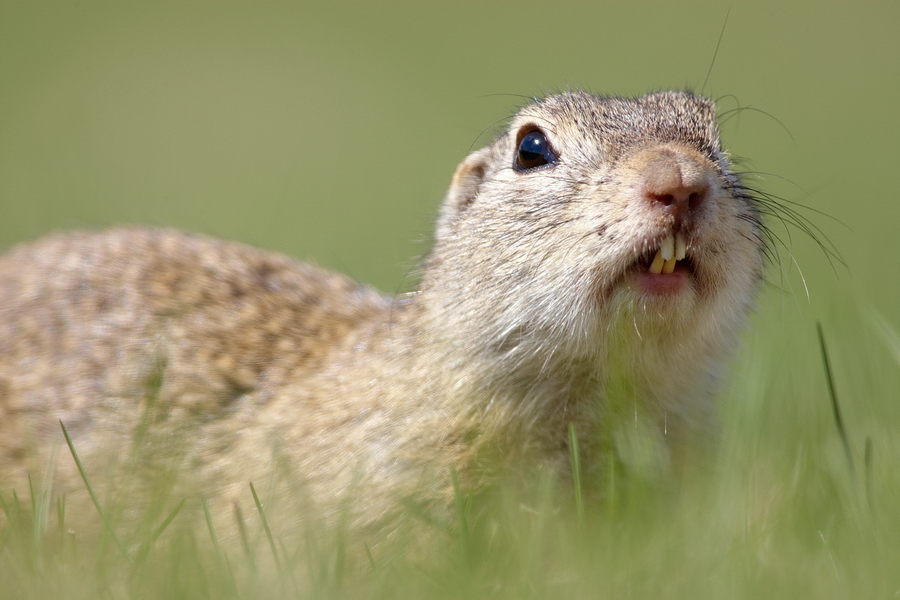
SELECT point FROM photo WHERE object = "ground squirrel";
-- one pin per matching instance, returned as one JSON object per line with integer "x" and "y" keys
{"x": 592, "y": 266}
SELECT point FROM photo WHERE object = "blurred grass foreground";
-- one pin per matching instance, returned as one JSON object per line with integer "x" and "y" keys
{"x": 784, "y": 508}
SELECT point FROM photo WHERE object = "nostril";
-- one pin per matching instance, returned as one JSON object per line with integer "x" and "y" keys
{"x": 680, "y": 199}
{"x": 673, "y": 180}
{"x": 665, "y": 199}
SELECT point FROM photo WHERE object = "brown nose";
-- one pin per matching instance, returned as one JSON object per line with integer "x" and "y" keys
{"x": 675, "y": 181}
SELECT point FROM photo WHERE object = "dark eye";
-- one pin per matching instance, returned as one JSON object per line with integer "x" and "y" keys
{"x": 534, "y": 151}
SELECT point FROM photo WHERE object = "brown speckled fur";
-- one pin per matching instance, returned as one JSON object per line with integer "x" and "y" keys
{"x": 243, "y": 365}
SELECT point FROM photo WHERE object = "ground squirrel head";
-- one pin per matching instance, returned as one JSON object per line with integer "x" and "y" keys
{"x": 592, "y": 210}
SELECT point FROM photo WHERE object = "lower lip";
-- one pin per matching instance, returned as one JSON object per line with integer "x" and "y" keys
{"x": 663, "y": 284}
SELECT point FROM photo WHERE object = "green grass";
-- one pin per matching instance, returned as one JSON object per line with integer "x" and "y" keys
{"x": 794, "y": 503}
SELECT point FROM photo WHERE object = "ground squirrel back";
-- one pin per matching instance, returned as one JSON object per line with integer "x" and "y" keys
{"x": 591, "y": 267}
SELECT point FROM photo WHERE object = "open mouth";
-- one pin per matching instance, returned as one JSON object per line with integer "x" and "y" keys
{"x": 666, "y": 270}
{"x": 672, "y": 249}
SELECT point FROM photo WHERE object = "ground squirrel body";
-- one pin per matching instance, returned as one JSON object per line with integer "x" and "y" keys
{"x": 592, "y": 266}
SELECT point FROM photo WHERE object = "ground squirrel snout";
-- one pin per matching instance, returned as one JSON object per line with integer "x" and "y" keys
{"x": 676, "y": 181}
{"x": 591, "y": 267}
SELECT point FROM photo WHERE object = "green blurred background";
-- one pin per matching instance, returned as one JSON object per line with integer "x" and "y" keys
{"x": 330, "y": 131}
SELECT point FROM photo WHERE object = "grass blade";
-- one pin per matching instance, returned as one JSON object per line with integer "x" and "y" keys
{"x": 868, "y": 465}
{"x": 265, "y": 523}
{"x": 209, "y": 525}
{"x": 61, "y": 515}
{"x": 834, "y": 400}
{"x": 90, "y": 490}
{"x": 576, "y": 471}
{"x": 148, "y": 543}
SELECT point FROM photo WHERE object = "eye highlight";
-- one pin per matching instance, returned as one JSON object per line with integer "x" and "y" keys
{"x": 534, "y": 151}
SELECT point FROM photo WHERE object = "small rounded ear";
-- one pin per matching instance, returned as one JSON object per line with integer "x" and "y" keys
{"x": 466, "y": 182}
